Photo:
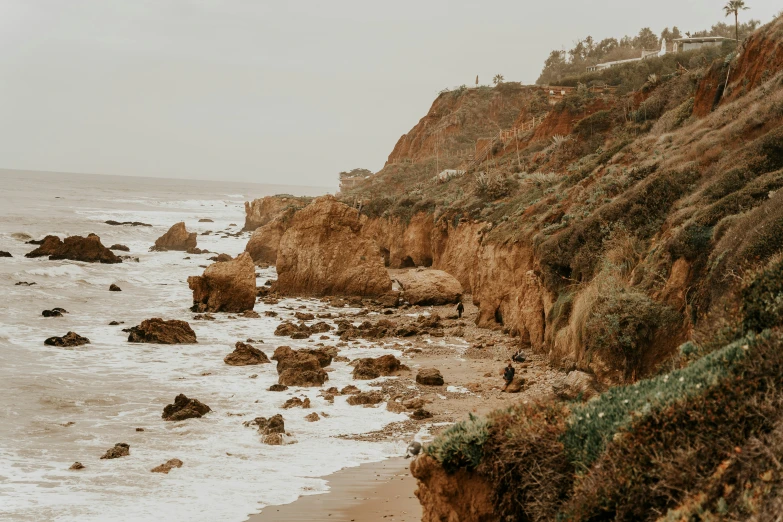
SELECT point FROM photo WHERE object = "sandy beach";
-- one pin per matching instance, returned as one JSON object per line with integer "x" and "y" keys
{"x": 379, "y": 491}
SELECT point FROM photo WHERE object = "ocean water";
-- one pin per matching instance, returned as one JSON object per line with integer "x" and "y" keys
{"x": 58, "y": 405}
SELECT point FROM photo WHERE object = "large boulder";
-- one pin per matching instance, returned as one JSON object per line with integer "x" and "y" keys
{"x": 261, "y": 211}
{"x": 245, "y": 355}
{"x": 184, "y": 408}
{"x": 429, "y": 377}
{"x": 177, "y": 238}
{"x": 429, "y": 287}
{"x": 265, "y": 241}
{"x": 300, "y": 368}
{"x": 67, "y": 341}
{"x": 227, "y": 286}
{"x": 369, "y": 368}
{"x": 77, "y": 248}
{"x": 159, "y": 331}
{"x": 323, "y": 253}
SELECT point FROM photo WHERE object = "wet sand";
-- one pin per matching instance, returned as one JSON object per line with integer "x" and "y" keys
{"x": 381, "y": 491}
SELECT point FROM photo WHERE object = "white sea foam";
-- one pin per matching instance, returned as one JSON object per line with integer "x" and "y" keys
{"x": 109, "y": 387}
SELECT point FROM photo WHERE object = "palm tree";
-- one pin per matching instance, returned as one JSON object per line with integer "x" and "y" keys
{"x": 735, "y": 6}
{"x": 498, "y": 79}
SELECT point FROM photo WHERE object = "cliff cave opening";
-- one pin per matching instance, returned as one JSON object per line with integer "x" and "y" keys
{"x": 386, "y": 256}
{"x": 498, "y": 316}
{"x": 407, "y": 262}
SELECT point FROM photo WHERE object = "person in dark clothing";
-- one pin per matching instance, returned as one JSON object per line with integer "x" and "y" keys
{"x": 508, "y": 374}
{"x": 460, "y": 309}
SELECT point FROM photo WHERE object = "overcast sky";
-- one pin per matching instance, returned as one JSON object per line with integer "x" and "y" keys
{"x": 278, "y": 92}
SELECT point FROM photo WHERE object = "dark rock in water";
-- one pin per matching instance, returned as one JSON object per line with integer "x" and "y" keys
{"x": 34, "y": 242}
{"x": 167, "y": 466}
{"x": 52, "y": 313}
{"x": 139, "y": 429}
{"x": 369, "y": 368}
{"x": 205, "y": 220}
{"x": 302, "y": 367}
{"x": 270, "y": 313}
{"x": 61, "y": 310}
{"x": 119, "y": 450}
{"x": 114, "y": 288}
{"x": 203, "y": 317}
{"x": 250, "y": 314}
{"x": 195, "y": 250}
{"x": 296, "y": 402}
{"x": 278, "y": 387}
{"x": 429, "y": 377}
{"x": 365, "y": 398}
{"x": 77, "y": 248}
{"x": 313, "y": 417}
{"x": 24, "y": 283}
{"x": 3, "y": 253}
{"x": 184, "y": 408}
{"x": 421, "y": 414}
{"x": 119, "y": 247}
{"x": 130, "y": 258}
{"x": 273, "y": 427}
{"x": 68, "y": 340}
{"x": 77, "y": 465}
{"x": 177, "y": 238}
{"x": 158, "y": 331}
{"x": 127, "y": 223}
{"x": 245, "y": 355}
{"x": 115, "y": 323}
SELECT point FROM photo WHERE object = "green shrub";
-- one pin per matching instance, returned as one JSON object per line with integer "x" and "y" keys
{"x": 762, "y": 299}
{"x": 461, "y": 445}
{"x": 595, "y": 423}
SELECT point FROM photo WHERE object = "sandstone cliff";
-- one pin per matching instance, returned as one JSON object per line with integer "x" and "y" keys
{"x": 261, "y": 211}
{"x": 225, "y": 286}
{"x": 324, "y": 253}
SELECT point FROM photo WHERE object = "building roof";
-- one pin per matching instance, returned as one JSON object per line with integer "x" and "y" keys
{"x": 702, "y": 39}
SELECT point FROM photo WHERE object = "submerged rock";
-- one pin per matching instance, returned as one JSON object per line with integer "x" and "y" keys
{"x": 127, "y": 223}
{"x": 68, "y": 340}
{"x": 76, "y": 248}
{"x": 158, "y": 331}
{"x": 77, "y": 465}
{"x": 184, "y": 408}
{"x": 225, "y": 286}
{"x": 119, "y": 450}
{"x": 167, "y": 466}
{"x": 121, "y": 248}
{"x": 177, "y": 238}
{"x": 245, "y": 355}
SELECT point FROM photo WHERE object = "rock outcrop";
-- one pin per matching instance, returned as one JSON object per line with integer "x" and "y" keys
{"x": 159, "y": 331}
{"x": 265, "y": 241}
{"x": 369, "y": 368}
{"x": 227, "y": 286}
{"x": 324, "y": 253}
{"x": 365, "y": 398}
{"x": 429, "y": 287}
{"x": 121, "y": 248}
{"x": 68, "y": 340}
{"x": 3, "y": 253}
{"x": 76, "y": 248}
{"x": 114, "y": 288}
{"x": 177, "y": 238}
{"x": 261, "y": 211}
{"x": 245, "y": 355}
{"x": 184, "y": 408}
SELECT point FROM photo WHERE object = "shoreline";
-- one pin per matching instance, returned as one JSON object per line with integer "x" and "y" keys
{"x": 368, "y": 492}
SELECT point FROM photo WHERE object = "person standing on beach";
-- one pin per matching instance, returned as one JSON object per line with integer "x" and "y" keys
{"x": 508, "y": 374}
{"x": 460, "y": 309}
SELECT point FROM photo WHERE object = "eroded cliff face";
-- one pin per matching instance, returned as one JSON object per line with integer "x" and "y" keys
{"x": 459, "y": 497}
